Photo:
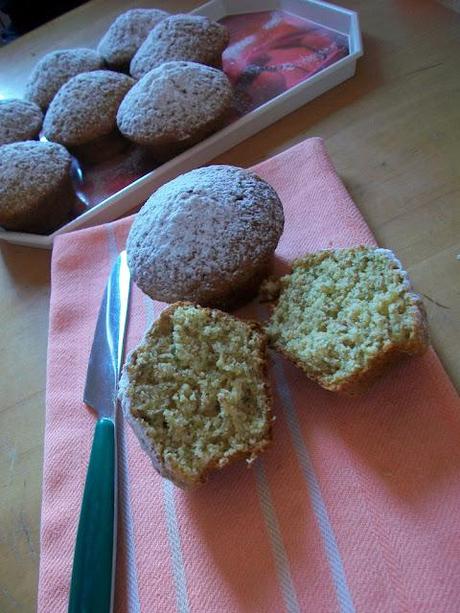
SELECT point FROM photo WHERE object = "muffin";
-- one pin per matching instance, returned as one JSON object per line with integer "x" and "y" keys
{"x": 19, "y": 120}
{"x": 82, "y": 115}
{"x": 55, "y": 69}
{"x": 126, "y": 35}
{"x": 175, "y": 106}
{"x": 181, "y": 37}
{"x": 208, "y": 237}
{"x": 36, "y": 193}
{"x": 195, "y": 393}
{"x": 343, "y": 315}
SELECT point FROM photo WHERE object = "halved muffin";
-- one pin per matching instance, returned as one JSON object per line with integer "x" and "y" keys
{"x": 344, "y": 314}
{"x": 195, "y": 392}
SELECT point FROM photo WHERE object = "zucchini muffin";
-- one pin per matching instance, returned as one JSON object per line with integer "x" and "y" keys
{"x": 207, "y": 236}
{"x": 55, "y": 69}
{"x": 19, "y": 120}
{"x": 126, "y": 35}
{"x": 195, "y": 392}
{"x": 175, "y": 106}
{"x": 36, "y": 192}
{"x": 342, "y": 315}
{"x": 191, "y": 38}
{"x": 82, "y": 115}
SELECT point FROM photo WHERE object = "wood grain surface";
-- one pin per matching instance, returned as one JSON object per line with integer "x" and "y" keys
{"x": 393, "y": 132}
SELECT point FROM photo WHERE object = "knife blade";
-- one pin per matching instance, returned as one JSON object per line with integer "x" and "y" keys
{"x": 92, "y": 583}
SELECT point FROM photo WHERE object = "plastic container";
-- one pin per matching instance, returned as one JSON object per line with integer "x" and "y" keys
{"x": 338, "y": 22}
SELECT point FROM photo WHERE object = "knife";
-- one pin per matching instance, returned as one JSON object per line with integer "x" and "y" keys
{"x": 92, "y": 584}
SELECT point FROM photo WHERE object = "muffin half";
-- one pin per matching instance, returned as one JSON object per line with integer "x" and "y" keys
{"x": 343, "y": 315}
{"x": 195, "y": 392}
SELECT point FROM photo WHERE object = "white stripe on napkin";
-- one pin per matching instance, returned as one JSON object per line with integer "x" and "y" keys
{"x": 276, "y": 540}
{"x": 319, "y": 508}
{"x": 177, "y": 558}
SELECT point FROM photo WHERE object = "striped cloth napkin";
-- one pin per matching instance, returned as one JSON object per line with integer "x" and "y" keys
{"x": 354, "y": 507}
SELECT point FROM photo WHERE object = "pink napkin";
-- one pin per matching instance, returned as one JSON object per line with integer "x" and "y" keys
{"x": 354, "y": 507}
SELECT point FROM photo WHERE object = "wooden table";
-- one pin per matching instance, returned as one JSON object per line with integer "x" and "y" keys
{"x": 393, "y": 132}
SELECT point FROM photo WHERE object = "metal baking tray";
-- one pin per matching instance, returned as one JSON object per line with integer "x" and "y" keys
{"x": 282, "y": 54}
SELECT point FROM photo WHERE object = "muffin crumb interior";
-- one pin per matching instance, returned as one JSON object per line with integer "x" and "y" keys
{"x": 197, "y": 386}
{"x": 339, "y": 309}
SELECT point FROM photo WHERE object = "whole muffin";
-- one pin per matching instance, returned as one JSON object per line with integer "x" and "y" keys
{"x": 126, "y": 35}
{"x": 175, "y": 106}
{"x": 55, "y": 69}
{"x": 181, "y": 37}
{"x": 19, "y": 120}
{"x": 36, "y": 193}
{"x": 82, "y": 115}
{"x": 207, "y": 237}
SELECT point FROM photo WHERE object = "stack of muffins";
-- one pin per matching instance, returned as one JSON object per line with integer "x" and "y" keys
{"x": 154, "y": 81}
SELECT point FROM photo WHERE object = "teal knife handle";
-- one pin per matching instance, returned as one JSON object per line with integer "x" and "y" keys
{"x": 93, "y": 564}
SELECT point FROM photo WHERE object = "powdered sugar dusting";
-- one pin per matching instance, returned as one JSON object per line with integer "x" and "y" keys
{"x": 20, "y": 120}
{"x": 86, "y": 107}
{"x": 173, "y": 102}
{"x": 127, "y": 33}
{"x": 201, "y": 229}
{"x": 30, "y": 170}
{"x": 181, "y": 37}
{"x": 55, "y": 69}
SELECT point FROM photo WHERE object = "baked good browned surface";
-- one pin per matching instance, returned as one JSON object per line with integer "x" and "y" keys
{"x": 36, "y": 193}
{"x": 181, "y": 37}
{"x": 175, "y": 106}
{"x": 55, "y": 69}
{"x": 342, "y": 315}
{"x": 126, "y": 35}
{"x": 195, "y": 392}
{"x": 19, "y": 120}
{"x": 84, "y": 110}
{"x": 206, "y": 236}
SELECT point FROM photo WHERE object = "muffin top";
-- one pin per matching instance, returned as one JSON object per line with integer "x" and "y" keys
{"x": 202, "y": 229}
{"x": 126, "y": 35}
{"x": 55, "y": 69}
{"x": 30, "y": 171}
{"x": 173, "y": 102}
{"x": 19, "y": 120}
{"x": 85, "y": 108}
{"x": 181, "y": 37}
